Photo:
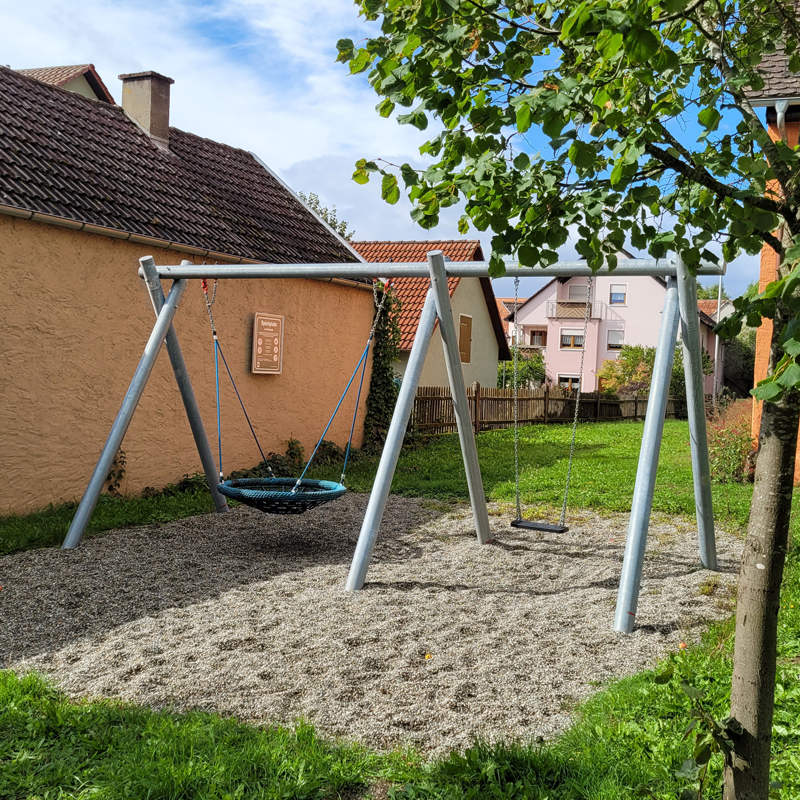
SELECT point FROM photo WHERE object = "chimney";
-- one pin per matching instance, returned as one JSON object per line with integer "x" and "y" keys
{"x": 145, "y": 98}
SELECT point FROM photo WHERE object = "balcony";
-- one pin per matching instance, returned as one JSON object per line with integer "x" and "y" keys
{"x": 576, "y": 309}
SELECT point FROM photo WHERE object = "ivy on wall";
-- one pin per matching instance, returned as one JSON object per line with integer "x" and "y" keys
{"x": 382, "y": 387}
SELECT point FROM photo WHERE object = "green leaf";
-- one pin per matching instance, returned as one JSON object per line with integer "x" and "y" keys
{"x": 617, "y": 173}
{"x": 346, "y": 49}
{"x": 641, "y": 45}
{"x": 463, "y": 225}
{"x": 522, "y": 161}
{"x": 709, "y": 118}
{"x": 523, "y": 117}
{"x": 385, "y": 108}
{"x": 497, "y": 267}
{"x": 361, "y": 175}
{"x": 416, "y": 118}
{"x": 790, "y": 377}
{"x": 389, "y": 189}
{"x": 581, "y": 154}
{"x": 528, "y": 256}
{"x": 767, "y": 390}
{"x": 409, "y": 175}
{"x": 608, "y": 43}
{"x": 665, "y": 676}
{"x": 360, "y": 62}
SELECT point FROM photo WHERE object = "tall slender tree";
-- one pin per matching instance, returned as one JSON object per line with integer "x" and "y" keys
{"x": 622, "y": 121}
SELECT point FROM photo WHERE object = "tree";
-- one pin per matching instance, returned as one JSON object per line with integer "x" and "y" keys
{"x": 327, "y": 214}
{"x": 710, "y": 292}
{"x": 530, "y": 370}
{"x": 632, "y": 371}
{"x": 624, "y": 100}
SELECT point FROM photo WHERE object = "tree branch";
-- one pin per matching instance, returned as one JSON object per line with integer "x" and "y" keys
{"x": 782, "y": 172}
{"x": 544, "y": 31}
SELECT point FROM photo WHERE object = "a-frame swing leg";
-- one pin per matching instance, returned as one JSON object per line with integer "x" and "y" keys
{"x": 120, "y": 426}
{"x": 642, "y": 504}
{"x": 695, "y": 406}
{"x": 452, "y": 357}
{"x": 392, "y": 447}
{"x": 150, "y": 273}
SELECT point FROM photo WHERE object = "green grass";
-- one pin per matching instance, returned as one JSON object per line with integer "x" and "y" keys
{"x": 48, "y": 527}
{"x": 606, "y": 457}
{"x": 52, "y": 748}
{"x": 627, "y": 736}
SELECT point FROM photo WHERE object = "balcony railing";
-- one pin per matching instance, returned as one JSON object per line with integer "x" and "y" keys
{"x": 576, "y": 309}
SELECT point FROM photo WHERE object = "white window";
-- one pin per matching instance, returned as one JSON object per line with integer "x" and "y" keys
{"x": 616, "y": 339}
{"x": 571, "y": 339}
{"x": 578, "y": 291}
{"x": 618, "y": 296}
{"x": 569, "y": 382}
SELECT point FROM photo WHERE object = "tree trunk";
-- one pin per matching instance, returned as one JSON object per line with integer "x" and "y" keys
{"x": 758, "y": 598}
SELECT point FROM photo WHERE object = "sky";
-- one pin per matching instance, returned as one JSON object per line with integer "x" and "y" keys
{"x": 257, "y": 74}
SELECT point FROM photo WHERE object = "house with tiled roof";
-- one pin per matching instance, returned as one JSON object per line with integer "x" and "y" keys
{"x": 482, "y": 341}
{"x": 621, "y": 311}
{"x": 780, "y": 97}
{"x": 87, "y": 187}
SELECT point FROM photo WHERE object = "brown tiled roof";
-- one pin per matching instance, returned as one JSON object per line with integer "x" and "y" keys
{"x": 779, "y": 83}
{"x": 65, "y": 155}
{"x": 412, "y": 291}
{"x": 58, "y": 76}
{"x": 454, "y": 249}
{"x": 708, "y": 307}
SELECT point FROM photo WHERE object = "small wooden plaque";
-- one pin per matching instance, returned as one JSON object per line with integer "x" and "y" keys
{"x": 267, "y": 344}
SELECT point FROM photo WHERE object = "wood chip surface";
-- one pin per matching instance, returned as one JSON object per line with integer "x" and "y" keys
{"x": 246, "y": 614}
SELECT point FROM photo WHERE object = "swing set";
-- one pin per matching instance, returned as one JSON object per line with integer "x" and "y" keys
{"x": 296, "y": 495}
{"x": 277, "y": 495}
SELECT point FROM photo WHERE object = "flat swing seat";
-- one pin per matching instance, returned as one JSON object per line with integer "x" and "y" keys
{"x": 276, "y": 495}
{"x": 547, "y": 527}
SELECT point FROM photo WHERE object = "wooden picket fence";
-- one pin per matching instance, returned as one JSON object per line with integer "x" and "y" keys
{"x": 494, "y": 408}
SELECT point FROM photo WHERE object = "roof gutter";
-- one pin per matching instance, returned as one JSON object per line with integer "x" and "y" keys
{"x": 150, "y": 241}
{"x": 781, "y": 107}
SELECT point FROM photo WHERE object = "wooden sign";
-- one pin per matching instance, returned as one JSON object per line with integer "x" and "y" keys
{"x": 267, "y": 344}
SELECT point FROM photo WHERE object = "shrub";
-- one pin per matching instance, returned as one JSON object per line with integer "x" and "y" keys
{"x": 530, "y": 371}
{"x": 632, "y": 371}
{"x": 730, "y": 443}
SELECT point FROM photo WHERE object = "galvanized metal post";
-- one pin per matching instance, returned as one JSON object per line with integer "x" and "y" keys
{"x": 392, "y": 447}
{"x": 452, "y": 359}
{"x": 120, "y": 426}
{"x": 156, "y": 291}
{"x": 642, "y": 504}
{"x": 695, "y": 404}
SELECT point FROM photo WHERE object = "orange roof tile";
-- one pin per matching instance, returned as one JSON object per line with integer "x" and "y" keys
{"x": 708, "y": 307}
{"x": 454, "y": 249}
{"x": 412, "y": 291}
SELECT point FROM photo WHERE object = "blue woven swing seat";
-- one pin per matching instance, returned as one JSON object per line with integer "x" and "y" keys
{"x": 275, "y": 495}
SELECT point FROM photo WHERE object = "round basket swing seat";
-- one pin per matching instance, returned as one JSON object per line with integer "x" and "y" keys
{"x": 275, "y": 495}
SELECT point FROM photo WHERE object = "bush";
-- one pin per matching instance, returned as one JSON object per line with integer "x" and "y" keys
{"x": 730, "y": 443}
{"x": 530, "y": 371}
{"x": 632, "y": 371}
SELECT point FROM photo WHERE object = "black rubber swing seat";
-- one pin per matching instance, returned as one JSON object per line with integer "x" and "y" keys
{"x": 279, "y": 496}
{"x": 547, "y": 527}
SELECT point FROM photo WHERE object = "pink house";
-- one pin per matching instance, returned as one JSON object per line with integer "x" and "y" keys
{"x": 622, "y": 311}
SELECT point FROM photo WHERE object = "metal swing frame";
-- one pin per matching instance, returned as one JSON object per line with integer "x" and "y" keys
{"x": 680, "y": 306}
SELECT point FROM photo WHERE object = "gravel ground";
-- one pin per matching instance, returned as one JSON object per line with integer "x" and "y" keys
{"x": 245, "y": 614}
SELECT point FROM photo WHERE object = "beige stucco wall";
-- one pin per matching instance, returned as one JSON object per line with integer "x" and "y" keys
{"x": 74, "y": 320}
{"x": 80, "y": 85}
{"x": 467, "y": 299}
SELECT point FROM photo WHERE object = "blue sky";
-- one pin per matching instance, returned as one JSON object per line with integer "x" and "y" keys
{"x": 255, "y": 74}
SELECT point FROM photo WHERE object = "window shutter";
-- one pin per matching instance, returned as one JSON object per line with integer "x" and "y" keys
{"x": 465, "y": 338}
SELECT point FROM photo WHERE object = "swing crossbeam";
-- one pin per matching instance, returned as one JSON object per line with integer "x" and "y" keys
{"x": 437, "y": 308}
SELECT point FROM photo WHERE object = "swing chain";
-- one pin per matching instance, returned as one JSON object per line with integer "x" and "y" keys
{"x": 209, "y": 303}
{"x": 515, "y": 350}
{"x": 586, "y": 315}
